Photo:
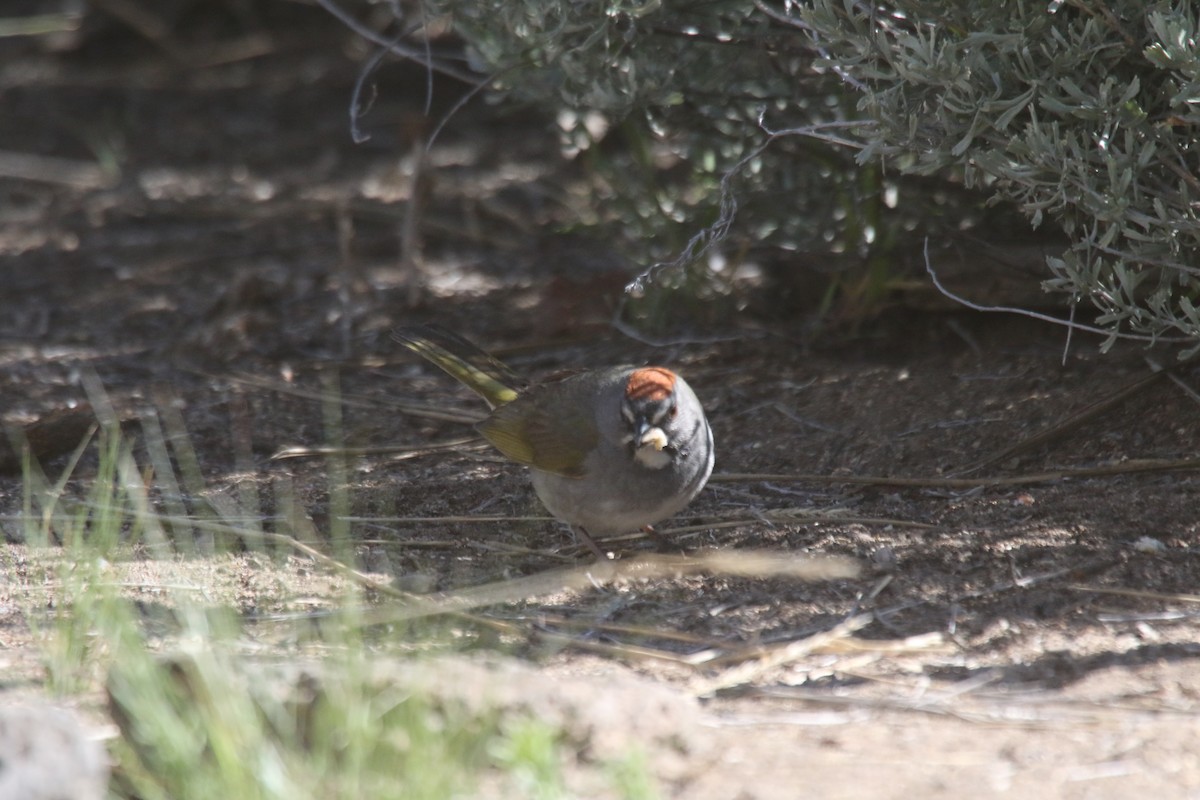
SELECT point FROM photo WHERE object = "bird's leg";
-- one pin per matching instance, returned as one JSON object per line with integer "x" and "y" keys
{"x": 585, "y": 537}
{"x": 663, "y": 543}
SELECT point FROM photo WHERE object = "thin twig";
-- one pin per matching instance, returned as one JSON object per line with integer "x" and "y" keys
{"x": 396, "y": 48}
{"x": 357, "y": 108}
{"x": 727, "y": 204}
{"x": 1137, "y": 337}
{"x": 1179, "y": 382}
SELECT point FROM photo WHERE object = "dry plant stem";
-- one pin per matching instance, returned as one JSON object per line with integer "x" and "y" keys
{"x": 347, "y": 278}
{"x": 632, "y": 630}
{"x": 47, "y": 169}
{"x": 299, "y": 546}
{"x": 40, "y": 24}
{"x": 1038, "y": 709}
{"x": 397, "y": 48}
{"x": 242, "y": 48}
{"x": 837, "y": 641}
{"x": 767, "y": 659}
{"x": 159, "y": 32}
{"x": 412, "y": 409}
{"x": 411, "y": 254}
{"x": 933, "y": 642}
{"x": 948, "y": 703}
{"x": 143, "y": 22}
{"x": 627, "y": 652}
{"x": 1087, "y": 568}
{"x": 282, "y": 387}
{"x": 457, "y": 604}
{"x": 1188, "y": 390}
{"x": 518, "y": 550}
{"x": 806, "y": 519}
{"x": 1168, "y": 597}
{"x": 741, "y": 562}
{"x": 485, "y": 519}
{"x": 457, "y": 520}
{"x": 397, "y": 452}
{"x": 1024, "y": 312}
{"x": 1074, "y": 421}
{"x": 601, "y": 573}
{"x": 1126, "y": 468}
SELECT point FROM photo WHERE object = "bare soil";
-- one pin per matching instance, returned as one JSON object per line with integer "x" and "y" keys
{"x": 244, "y": 260}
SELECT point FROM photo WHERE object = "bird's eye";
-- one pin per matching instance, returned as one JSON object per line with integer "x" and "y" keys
{"x": 662, "y": 413}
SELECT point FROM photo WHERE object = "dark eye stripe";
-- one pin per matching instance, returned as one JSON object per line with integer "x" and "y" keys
{"x": 663, "y": 413}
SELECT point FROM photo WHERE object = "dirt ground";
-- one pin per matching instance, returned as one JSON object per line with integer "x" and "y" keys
{"x": 201, "y": 233}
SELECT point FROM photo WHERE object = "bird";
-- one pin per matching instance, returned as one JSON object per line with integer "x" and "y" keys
{"x": 610, "y": 450}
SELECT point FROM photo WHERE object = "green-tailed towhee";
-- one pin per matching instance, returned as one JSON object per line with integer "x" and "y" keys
{"x": 609, "y": 450}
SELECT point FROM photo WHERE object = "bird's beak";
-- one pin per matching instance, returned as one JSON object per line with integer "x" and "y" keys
{"x": 651, "y": 435}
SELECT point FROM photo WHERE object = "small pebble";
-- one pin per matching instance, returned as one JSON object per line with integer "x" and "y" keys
{"x": 1148, "y": 544}
{"x": 46, "y": 754}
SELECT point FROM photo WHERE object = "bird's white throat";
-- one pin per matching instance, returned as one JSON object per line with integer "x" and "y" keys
{"x": 651, "y": 449}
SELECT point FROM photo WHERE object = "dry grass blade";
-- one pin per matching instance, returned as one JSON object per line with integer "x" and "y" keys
{"x": 839, "y": 641}
{"x": 740, "y": 562}
{"x": 450, "y": 519}
{"x": 838, "y": 516}
{"x": 625, "y": 652}
{"x": 769, "y": 658}
{"x": 948, "y": 702}
{"x": 622, "y": 651}
{"x": 40, "y": 24}
{"x": 970, "y": 701}
{"x": 1169, "y": 597}
{"x": 1130, "y": 467}
{"x": 397, "y": 452}
{"x": 47, "y": 169}
{"x": 921, "y": 643}
{"x": 239, "y": 531}
{"x": 630, "y": 630}
{"x": 412, "y": 409}
{"x": 680, "y": 532}
{"x": 765, "y": 564}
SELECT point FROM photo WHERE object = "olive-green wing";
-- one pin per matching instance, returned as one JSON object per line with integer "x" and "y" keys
{"x": 544, "y": 428}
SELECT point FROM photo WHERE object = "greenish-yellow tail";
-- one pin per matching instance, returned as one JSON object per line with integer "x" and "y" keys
{"x": 462, "y": 360}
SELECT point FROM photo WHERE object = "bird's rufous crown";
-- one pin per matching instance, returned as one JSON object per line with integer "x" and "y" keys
{"x": 650, "y": 383}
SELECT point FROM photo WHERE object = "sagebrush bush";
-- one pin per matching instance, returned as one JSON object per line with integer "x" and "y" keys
{"x": 1084, "y": 116}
